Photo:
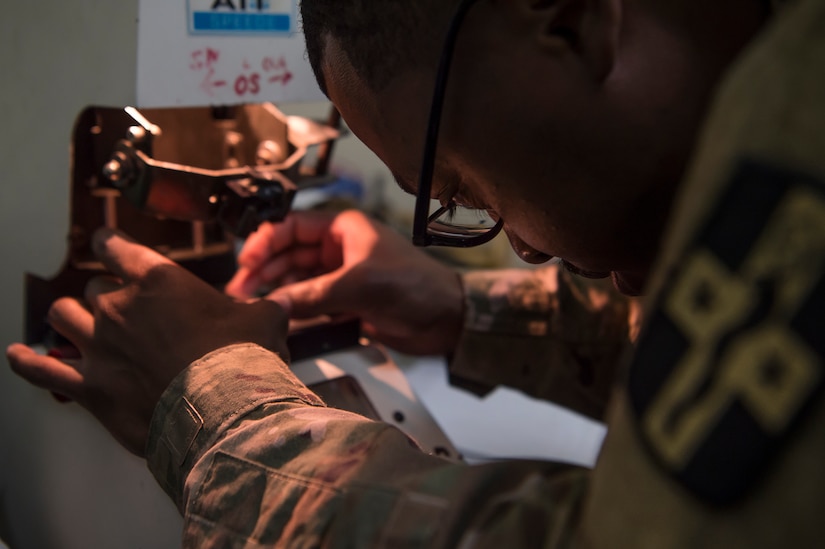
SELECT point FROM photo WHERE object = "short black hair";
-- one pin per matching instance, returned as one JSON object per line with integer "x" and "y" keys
{"x": 378, "y": 36}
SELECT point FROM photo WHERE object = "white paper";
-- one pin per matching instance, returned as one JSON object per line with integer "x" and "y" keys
{"x": 248, "y": 52}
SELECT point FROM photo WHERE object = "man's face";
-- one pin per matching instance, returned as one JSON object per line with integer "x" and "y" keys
{"x": 577, "y": 168}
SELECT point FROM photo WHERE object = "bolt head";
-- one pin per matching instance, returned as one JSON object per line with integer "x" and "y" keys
{"x": 113, "y": 170}
{"x": 136, "y": 133}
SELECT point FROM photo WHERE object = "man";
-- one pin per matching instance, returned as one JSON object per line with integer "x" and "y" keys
{"x": 572, "y": 122}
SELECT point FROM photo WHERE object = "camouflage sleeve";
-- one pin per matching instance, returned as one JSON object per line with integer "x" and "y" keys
{"x": 547, "y": 332}
{"x": 254, "y": 459}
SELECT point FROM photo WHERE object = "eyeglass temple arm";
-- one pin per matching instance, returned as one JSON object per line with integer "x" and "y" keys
{"x": 425, "y": 178}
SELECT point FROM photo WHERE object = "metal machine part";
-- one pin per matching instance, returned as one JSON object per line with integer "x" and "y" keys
{"x": 243, "y": 193}
{"x": 365, "y": 380}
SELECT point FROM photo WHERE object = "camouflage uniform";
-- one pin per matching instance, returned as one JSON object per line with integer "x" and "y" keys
{"x": 517, "y": 322}
{"x": 715, "y": 436}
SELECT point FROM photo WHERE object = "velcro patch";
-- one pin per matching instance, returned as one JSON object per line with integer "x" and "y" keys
{"x": 732, "y": 355}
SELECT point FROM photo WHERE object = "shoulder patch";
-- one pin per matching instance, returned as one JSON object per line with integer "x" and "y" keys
{"x": 732, "y": 354}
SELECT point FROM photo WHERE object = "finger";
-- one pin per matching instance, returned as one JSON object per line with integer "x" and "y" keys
{"x": 73, "y": 321}
{"x": 243, "y": 284}
{"x": 300, "y": 228}
{"x": 246, "y": 282}
{"x": 256, "y": 248}
{"x": 44, "y": 371}
{"x": 124, "y": 257}
{"x": 100, "y": 286}
{"x": 295, "y": 276}
{"x": 69, "y": 355}
{"x": 317, "y": 296}
{"x": 298, "y": 259}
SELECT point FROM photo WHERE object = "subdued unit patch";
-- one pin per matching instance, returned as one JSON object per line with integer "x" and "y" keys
{"x": 733, "y": 355}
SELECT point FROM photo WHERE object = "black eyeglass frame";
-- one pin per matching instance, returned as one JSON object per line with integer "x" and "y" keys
{"x": 422, "y": 235}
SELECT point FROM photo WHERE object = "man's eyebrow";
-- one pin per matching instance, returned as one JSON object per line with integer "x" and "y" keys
{"x": 404, "y": 183}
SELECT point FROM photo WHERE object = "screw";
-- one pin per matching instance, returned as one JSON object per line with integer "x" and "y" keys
{"x": 269, "y": 152}
{"x": 118, "y": 170}
{"x": 136, "y": 134}
{"x": 113, "y": 170}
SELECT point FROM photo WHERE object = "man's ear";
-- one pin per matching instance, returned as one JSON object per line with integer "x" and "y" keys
{"x": 590, "y": 28}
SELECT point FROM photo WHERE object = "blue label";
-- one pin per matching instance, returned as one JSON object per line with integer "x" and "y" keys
{"x": 241, "y": 16}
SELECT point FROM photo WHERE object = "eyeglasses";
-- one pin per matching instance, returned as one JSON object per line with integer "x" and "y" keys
{"x": 452, "y": 225}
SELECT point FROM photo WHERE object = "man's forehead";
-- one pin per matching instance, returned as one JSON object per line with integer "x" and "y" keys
{"x": 369, "y": 114}
{"x": 345, "y": 86}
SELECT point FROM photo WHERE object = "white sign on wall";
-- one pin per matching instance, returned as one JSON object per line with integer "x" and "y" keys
{"x": 221, "y": 52}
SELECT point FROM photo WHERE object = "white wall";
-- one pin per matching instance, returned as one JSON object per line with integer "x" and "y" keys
{"x": 63, "y": 482}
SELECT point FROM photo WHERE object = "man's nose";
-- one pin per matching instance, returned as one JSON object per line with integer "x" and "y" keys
{"x": 526, "y": 252}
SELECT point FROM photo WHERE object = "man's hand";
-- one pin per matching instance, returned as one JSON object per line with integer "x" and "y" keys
{"x": 136, "y": 331}
{"x": 327, "y": 264}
